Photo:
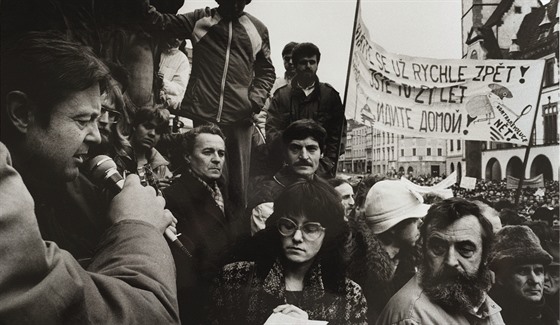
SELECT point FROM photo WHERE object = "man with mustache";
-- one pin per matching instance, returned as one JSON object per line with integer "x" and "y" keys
{"x": 519, "y": 262}
{"x": 307, "y": 98}
{"x": 303, "y": 145}
{"x": 451, "y": 286}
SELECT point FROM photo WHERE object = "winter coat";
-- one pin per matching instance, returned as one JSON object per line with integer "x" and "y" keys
{"x": 411, "y": 306}
{"x": 246, "y": 293}
{"x": 323, "y": 105}
{"x": 232, "y": 72}
{"x": 131, "y": 279}
{"x": 206, "y": 232}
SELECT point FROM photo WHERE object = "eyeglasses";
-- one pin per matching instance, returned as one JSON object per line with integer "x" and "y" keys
{"x": 310, "y": 230}
{"x": 112, "y": 115}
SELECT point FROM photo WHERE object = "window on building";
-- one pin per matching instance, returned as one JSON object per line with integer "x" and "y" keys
{"x": 450, "y": 145}
{"x": 549, "y": 74}
{"x": 458, "y": 144}
{"x": 517, "y": 9}
{"x": 550, "y": 122}
{"x": 428, "y": 151}
{"x": 402, "y": 152}
{"x": 414, "y": 151}
{"x": 534, "y": 140}
{"x": 439, "y": 152}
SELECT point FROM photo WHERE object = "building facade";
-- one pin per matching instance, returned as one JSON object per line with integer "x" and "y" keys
{"x": 371, "y": 151}
{"x": 525, "y": 30}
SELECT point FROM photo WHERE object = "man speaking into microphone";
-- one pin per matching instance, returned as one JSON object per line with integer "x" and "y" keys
{"x": 50, "y": 102}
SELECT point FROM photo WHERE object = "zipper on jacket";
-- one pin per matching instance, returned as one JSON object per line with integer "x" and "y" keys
{"x": 226, "y": 64}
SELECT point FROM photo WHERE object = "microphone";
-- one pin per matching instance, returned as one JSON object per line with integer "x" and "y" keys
{"x": 102, "y": 171}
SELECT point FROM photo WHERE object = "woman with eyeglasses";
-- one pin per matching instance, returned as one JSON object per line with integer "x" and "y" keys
{"x": 297, "y": 266}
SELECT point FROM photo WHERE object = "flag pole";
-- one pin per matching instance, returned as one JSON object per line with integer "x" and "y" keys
{"x": 528, "y": 149}
{"x": 348, "y": 78}
{"x": 351, "y": 53}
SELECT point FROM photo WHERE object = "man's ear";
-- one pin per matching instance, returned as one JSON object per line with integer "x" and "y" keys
{"x": 19, "y": 110}
{"x": 186, "y": 157}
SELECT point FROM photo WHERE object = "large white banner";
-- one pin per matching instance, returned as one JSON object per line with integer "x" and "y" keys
{"x": 453, "y": 99}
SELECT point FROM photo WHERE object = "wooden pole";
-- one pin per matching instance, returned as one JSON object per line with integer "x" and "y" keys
{"x": 528, "y": 149}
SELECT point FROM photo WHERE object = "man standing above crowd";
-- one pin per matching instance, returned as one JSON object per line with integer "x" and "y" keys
{"x": 231, "y": 77}
{"x": 50, "y": 102}
{"x": 451, "y": 286}
{"x": 303, "y": 143}
{"x": 260, "y": 164}
{"x": 519, "y": 262}
{"x": 307, "y": 98}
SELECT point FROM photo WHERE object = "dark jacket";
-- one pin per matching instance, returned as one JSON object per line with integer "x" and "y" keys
{"x": 232, "y": 72}
{"x": 516, "y": 312}
{"x": 266, "y": 190}
{"x": 206, "y": 232}
{"x": 323, "y": 105}
{"x": 246, "y": 293}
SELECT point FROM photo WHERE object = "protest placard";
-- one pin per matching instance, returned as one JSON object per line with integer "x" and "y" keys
{"x": 487, "y": 100}
{"x": 468, "y": 183}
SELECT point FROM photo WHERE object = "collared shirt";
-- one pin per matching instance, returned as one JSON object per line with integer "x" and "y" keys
{"x": 307, "y": 90}
{"x": 214, "y": 190}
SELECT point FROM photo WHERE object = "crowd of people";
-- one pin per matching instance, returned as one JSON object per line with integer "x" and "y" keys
{"x": 110, "y": 214}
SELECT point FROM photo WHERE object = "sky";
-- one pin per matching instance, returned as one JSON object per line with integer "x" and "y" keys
{"x": 427, "y": 28}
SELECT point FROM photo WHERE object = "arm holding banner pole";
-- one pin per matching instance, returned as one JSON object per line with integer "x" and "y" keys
{"x": 526, "y": 158}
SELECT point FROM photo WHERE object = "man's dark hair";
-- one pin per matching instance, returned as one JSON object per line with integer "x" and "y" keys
{"x": 336, "y": 182}
{"x": 289, "y": 48}
{"x": 157, "y": 114}
{"x": 510, "y": 217}
{"x": 302, "y": 129}
{"x": 443, "y": 213}
{"x": 220, "y": 1}
{"x": 305, "y": 50}
{"x": 188, "y": 138}
{"x": 48, "y": 69}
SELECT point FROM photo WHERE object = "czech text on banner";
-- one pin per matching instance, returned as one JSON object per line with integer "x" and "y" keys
{"x": 488, "y": 100}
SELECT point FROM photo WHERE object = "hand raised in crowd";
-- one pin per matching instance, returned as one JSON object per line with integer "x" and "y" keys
{"x": 136, "y": 202}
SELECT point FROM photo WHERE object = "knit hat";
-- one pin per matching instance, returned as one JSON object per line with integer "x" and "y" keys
{"x": 389, "y": 202}
{"x": 516, "y": 245}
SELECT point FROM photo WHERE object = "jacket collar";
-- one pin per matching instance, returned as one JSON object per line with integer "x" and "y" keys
{"x": 297, "y": 88}
{"x": 313, "y": 288}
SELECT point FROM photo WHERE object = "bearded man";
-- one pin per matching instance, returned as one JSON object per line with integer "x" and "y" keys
{"x": 452, "y": 285}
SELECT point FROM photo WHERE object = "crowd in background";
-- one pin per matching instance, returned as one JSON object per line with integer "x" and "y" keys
{"x": 95, "y": 169}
